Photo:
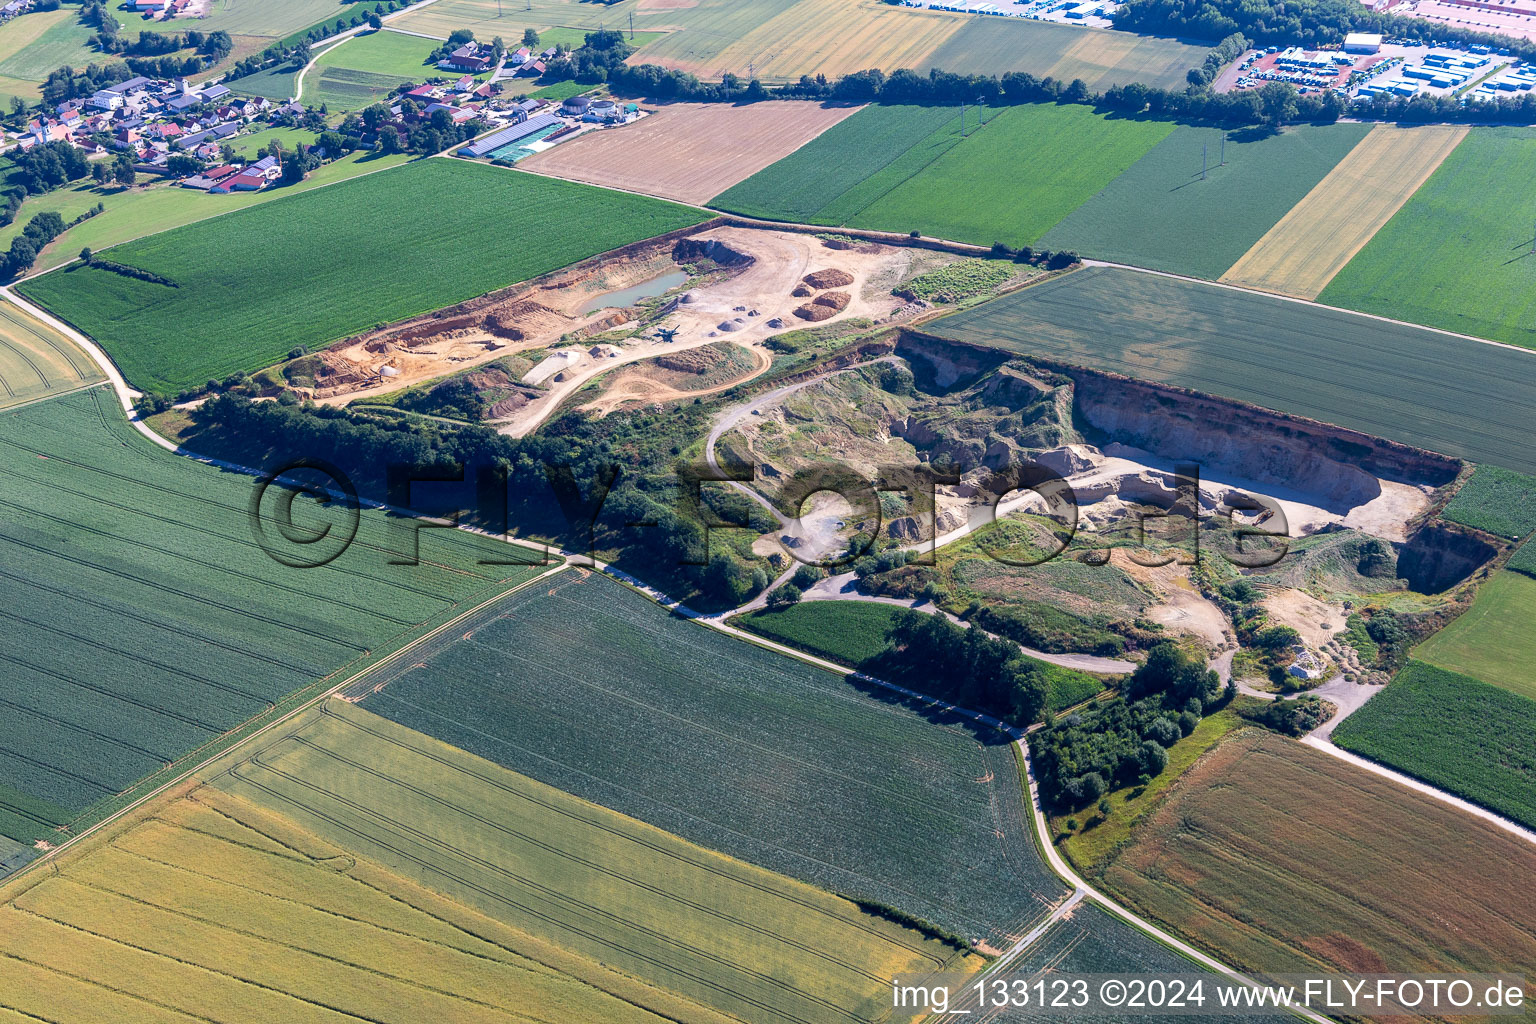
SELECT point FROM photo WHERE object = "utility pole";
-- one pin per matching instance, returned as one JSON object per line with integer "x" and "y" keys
{"x": 1203, "y": 160}
{"x": 962, "y": 120}
{"x": 1223, "y": 149}
{"x": 631, "y": 26}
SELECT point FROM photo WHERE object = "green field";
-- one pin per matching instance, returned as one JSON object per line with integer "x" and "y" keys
{"x": 588, "y": 686}
{"x": 1009, "y": 179}
{"x": 852, "y": 632}
{"x": 278, "y": 82}
{"x": 216, "y": 908}
{"x": 132, "y": 213}
{"x": 819, "y": 175}
{"x": 1459, "y": 255}
{"x": 1161, "y": 214}
{"x": 847, "y": 632}
{"x": 752, "y": 944}
{"x": 1445, "y": 394}
{"x": 995, "y": 46}
{"x": 34, "y": 45}
{"x": 144, "y": 620}
{"x": 1495, "y": 500}
{"x": 290, "y": 139}
{"x": 1492, "y": 640}
{"x": 1455, "y": 732}
{"x": 366, "y": 68}
{"x": 330, "y": 262}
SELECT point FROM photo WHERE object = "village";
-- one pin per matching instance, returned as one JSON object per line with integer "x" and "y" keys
{"x": 193, "y": 134}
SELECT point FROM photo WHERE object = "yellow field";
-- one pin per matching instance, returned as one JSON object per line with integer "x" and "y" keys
{"x": 352, "y": 869}
{"x": 37, "y": 361}
{"x": 220, "y": 910}
{"x": 1311, "y": 243}
{"x": 508, "y": 19}
{"x": 835, "y": 37}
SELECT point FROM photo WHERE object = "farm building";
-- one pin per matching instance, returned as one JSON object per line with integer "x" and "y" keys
{"x": 576, "y": 106}
{"x": 506, "y": 136}
{"x": 1362, "y": 42}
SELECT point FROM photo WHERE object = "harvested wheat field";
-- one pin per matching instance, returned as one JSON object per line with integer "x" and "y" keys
{"x": 1277, "y": 857}
{"x": 37, "y": 361}
{"x": 837, "y": 37}
{"x": 1311, "y": 243}
{"x": 690, "y": 152}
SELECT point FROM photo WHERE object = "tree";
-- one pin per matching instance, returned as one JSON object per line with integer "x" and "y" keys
{"x": 459, "y": 37}
{"x": 530, "y": 38}
{"x": 1104, "y": 807}
{"x": 783, "y": 597}
{"x": 300, "y": 54}
{"x": 1277, "y": 100}
{"x": 293, "y": 169}
{"x": 179, "y": 165}
{"x": 1164, "y": 732}
{"x": 374, "y": 116}
{"x": 86, "y": 254}
{"x": 375, "y": 22}
{"x": 100, "y": 172}
{"x": 123, "y": 171}
{"x": 1153, "y": 757}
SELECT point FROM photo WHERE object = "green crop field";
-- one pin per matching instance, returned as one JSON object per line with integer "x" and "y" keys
{"x": 1492, "y": 640}
{"x": 851, "y": 632}
{"x": 848, "y": 632}
{"x": 818, "y": 176}
{"x": 586, "y": 685}
{"x": 278, "y": 82}
{"x": 383, "y": 53}
{"x": 995, "y": 46}
{"x": 34, "y": 45}
{"x": 133, "y": 213}
{"x": 336, "y": 260}
{"x": 1496, "y": 500}
{"x": 1461, "y": 734}
{"x": 1009, "y": 179}
{"x": 289, "y": 138}
{"x": 216, "y": 908}
{"x": 143, "y": 619}
{"x": 1442, "y": 393}
{"x": 366, "y": 68}
{"x": 1161, "y": 214}
{"x": 1459, "y": 254}
{"x": 747, "y": 942}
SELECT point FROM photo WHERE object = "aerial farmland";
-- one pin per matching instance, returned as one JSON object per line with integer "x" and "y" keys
{"x": 784, "y": 512}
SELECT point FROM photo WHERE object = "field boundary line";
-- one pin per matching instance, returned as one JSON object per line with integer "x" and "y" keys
{"x": 1419, "y": 786}
{"x": 1086, "y": 262}
{"x": 1040, "y": 831}
{"x": 1378, "y": 143}
{"x": 387, "y": 659}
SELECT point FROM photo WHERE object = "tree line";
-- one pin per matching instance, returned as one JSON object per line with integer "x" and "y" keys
{"x": 581, "y": 483}
{"x": 1272, "y": 105}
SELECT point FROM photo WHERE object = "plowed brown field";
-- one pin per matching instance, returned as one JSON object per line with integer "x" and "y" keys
{"x": 689, "y": 152}
{"x": 1277, "y": 857}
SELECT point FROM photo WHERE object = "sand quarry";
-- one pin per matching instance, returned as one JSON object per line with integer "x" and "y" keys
{"x": 753, "y": 295}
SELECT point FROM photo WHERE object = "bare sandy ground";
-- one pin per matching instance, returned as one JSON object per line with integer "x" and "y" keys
{"x": 780, "y": 260}
{"x": 1315, "y": 620}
